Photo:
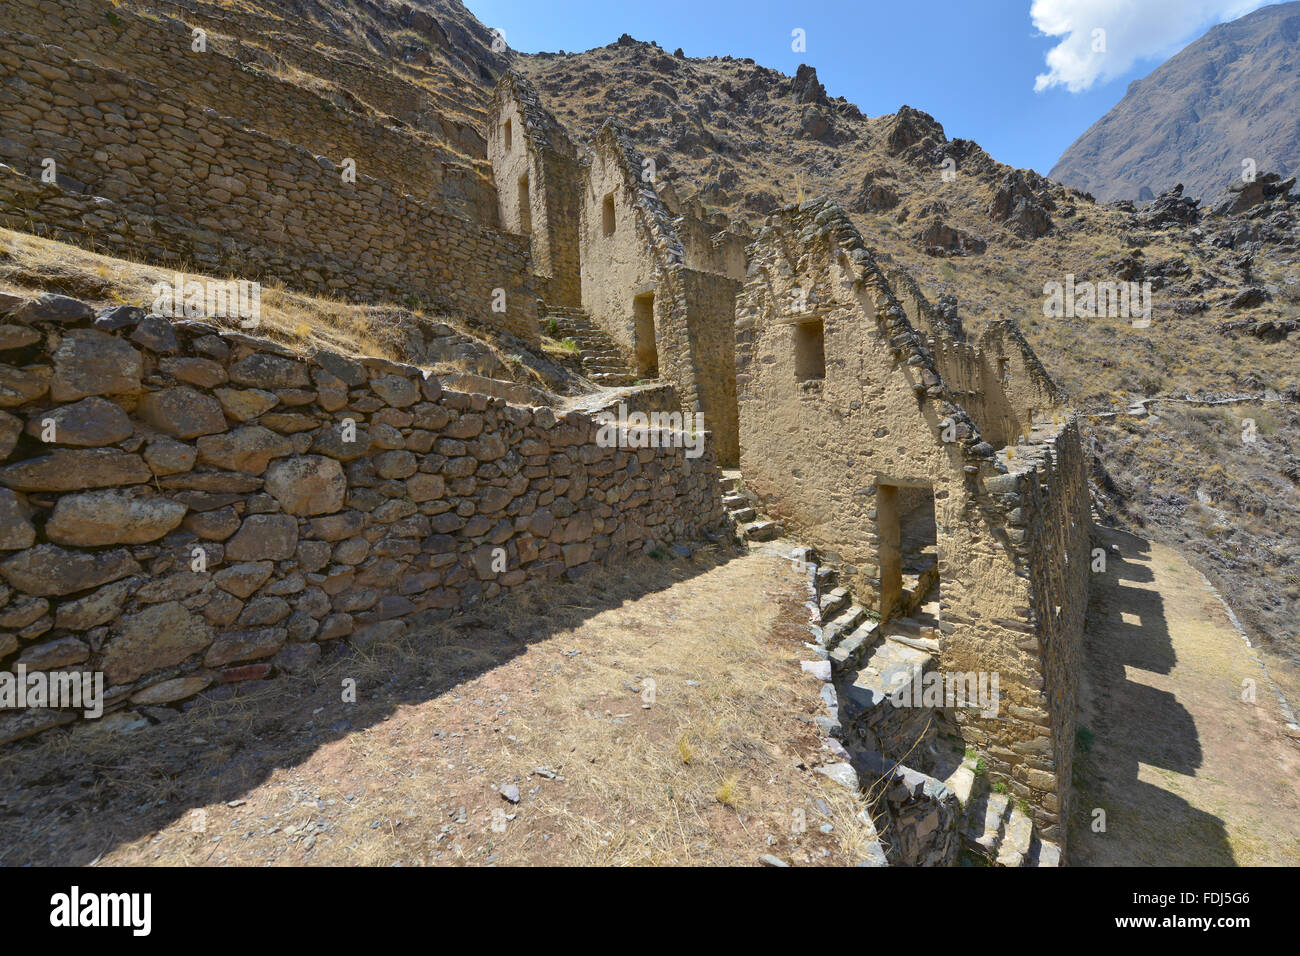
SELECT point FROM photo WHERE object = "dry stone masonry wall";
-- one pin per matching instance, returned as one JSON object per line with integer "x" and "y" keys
{"x": 182, "y": 506}
{"x": 846, "y": 423}
{"x": 242, "y": 202}
{"x": 159, "y": 50}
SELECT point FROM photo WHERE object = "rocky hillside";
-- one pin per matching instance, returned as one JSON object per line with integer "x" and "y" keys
{"x": 1232, "y": 95}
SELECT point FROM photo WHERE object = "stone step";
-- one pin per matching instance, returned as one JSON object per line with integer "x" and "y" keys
{"x": 927, "y": 644}
{"x": 911, "y": 627}
{"x": 963, "y": 781}
{"x": 889, "y": 667}
{"x": 1017, "y": 835}
{"x": 743, "y": 515}
{"x": 984, "y": 820}
{"x": 850, "y": 651}
{"x": 730, "y": 484}
{"x": 1043, "y": 853}
{"x": 834, "y": 601}
{"x": 762, "y": 530}
{"x": 843, "y": 625}
{"x": 735, "y": 500}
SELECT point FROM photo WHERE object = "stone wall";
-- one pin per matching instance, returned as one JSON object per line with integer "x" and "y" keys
{"x": 1045, "y": 496}
{"x": 182, "y": 506}
{"x": 159, "y": 51}
{"x": 710, "y": 249}
{"x": 540, "y": 154}
{"x": 251, "y": 205}
{"x": 831, "y": 454}
{"x": 444, "y": 104}
{"x": 643, "y": 256}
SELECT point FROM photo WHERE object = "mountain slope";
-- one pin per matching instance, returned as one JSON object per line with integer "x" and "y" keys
{"x": 1232, "y": 95}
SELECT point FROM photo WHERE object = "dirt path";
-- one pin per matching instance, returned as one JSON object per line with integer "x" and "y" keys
{"x": 1186, "y": 772}
{"x": 713, "y": 766}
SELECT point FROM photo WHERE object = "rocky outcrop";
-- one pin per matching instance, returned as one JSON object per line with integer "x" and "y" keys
{"x": 1017, "y": 205}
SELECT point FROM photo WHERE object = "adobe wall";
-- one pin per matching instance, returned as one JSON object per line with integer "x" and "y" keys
{"x": 710, "y": 249}
{"x": 174, "y": 436}
{"x": 250, "y": 205}
{"x": 818, "y": 451}
{"x": 541, "y": 151}
{"x": 618, "y": 267}
{"x": 999, "y": 382}
{"x": 159, "y": 51}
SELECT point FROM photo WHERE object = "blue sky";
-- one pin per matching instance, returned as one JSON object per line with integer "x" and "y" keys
{"x": 972, "y": 64}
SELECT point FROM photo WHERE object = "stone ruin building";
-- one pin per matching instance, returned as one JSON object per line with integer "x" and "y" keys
{"x": 638, "y": 285}
{"x": 934, "y": 471}
{"x": 936, "y": 484}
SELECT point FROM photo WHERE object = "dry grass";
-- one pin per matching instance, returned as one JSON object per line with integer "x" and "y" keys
{"x": 30, "y": 265}
{"x": 709, "y": 764}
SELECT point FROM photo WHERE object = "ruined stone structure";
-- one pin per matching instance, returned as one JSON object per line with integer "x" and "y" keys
{"x": 169, "y": 179}
{"x": 666, "y": 305}
{"x": 329, "y": 498}
{"x": 322, "y": 497}
{"x": 853, "y": 436}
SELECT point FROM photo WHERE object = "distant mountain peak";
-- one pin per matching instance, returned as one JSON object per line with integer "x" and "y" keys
{"x": 1230, "y": 97}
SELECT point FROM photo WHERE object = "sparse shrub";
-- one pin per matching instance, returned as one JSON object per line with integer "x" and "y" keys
{"x": 1083, "y": 739}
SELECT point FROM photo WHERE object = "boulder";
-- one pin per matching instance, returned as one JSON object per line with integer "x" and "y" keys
{"x": 16, "y": 530}
{"x": 248, "y": 449}
{"x": 160, "y": 636}
{"x": 182, "y": 412}
{"x": 50, "y": 570}
{"x": 264, "y": 537}
{"x": 89, "y": 423}
{"x": 51, "y": 307}
{"x": 69, "y": 469}
{"x": 18, "y": 386}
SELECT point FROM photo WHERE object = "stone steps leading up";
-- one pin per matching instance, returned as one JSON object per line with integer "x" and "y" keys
{"x": 742, "y": 511}
{"x": 601, "y": 360}
{"x": 994, "y": 827}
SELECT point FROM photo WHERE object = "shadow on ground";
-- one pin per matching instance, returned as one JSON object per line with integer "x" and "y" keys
{"x": 72, "y": 795}
{"x": 1125, "y": 724}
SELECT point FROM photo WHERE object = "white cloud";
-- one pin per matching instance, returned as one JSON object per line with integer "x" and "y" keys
{"x": 1132, "y": 30}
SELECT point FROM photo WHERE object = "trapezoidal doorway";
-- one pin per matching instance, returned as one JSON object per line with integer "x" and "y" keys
{"x": 909, "y": 552}
{"x": 647, "y": 353}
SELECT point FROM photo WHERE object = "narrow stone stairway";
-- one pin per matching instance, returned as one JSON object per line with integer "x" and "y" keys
{"x": 997, "y": 830}
{"x": 869, "y": 660}
{"x": 602, "y": 360}
{"x": 742, "y": 510}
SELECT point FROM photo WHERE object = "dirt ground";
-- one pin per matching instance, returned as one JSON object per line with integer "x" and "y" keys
{"x": 1186, "y": 772}
{"x": 655, "y": 715}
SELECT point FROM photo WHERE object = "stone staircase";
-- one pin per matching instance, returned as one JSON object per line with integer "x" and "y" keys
{"x": 996, "y": 830}
{"x": 869, "y": 659}
{"x": 742, "y": 510}
{"x": 601, "y": 359}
